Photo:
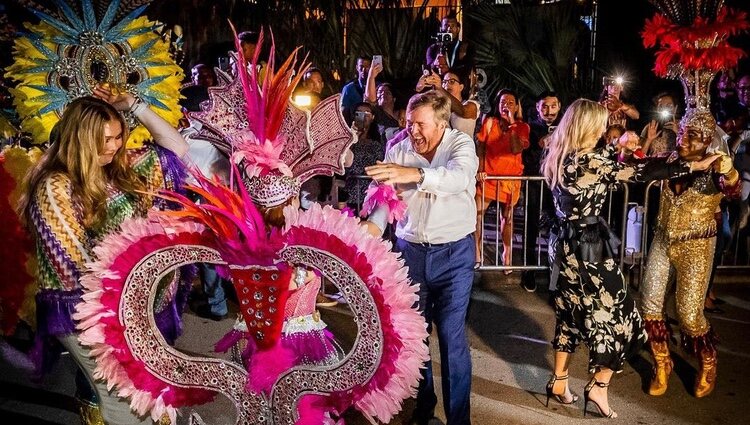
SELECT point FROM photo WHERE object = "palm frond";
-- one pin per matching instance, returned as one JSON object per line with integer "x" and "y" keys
{"x": 529, "y": 48}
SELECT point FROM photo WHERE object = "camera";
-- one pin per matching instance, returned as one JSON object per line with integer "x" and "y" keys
{"x": 612, "y": 81}
{"x": 443, "y": 37}
{"x": 664, "y": 115}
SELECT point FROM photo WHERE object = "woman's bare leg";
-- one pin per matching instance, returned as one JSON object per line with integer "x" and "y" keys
{"x": 478, "y": 233}
{"x": 506, "y": 229}
{"x": 599, "y": 394}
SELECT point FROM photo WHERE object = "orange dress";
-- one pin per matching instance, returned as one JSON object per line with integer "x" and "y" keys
{"x": 499, "y": 160}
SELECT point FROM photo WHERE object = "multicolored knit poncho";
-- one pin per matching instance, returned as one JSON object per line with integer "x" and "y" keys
{"x": 64, "y": 245}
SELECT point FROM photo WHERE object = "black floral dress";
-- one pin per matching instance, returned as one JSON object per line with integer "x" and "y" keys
{"x": 592, "y": 304}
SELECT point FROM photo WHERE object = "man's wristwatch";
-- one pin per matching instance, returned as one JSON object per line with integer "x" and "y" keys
{"x": 421, "y": 176}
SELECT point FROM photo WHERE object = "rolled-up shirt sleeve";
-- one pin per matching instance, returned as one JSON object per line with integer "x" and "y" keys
{"x": 457, "y": 175}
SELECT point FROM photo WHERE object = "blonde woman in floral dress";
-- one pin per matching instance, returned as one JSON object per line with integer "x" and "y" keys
{"x": 591, "y": 303}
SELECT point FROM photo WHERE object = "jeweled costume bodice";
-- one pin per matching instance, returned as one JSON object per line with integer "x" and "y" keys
{"x": 689, "y": 215}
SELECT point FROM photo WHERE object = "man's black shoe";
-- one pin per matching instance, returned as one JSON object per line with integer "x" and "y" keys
{"x": 204, "y": 311}
{"x": 528, "y": 282}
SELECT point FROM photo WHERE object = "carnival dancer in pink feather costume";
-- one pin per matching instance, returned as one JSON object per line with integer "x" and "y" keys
{"x": 275, "y": 254}
{"x": 304, "y": 338}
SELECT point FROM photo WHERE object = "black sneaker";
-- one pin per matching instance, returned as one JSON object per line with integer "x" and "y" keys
{"x": 528, "y": 282}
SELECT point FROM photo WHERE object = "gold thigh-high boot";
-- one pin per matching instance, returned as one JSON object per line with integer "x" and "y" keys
{"x": 658, "y": 335}
{"x": 706, "y": 379}
{"x": 90, "y": 412}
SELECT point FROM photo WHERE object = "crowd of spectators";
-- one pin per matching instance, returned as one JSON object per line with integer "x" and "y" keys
{"x": 507, "y": 143}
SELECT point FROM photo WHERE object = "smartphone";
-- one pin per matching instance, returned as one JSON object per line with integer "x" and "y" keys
{"x": 665, "y": 115}
{"x": 377, "y": 60}
{"x": 224, "y": 63}
{"x": 359, "y": 119}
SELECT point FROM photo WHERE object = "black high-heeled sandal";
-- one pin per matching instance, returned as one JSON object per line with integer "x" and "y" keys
{"x": 559, "y": 397}
{"x": 586, "y": 398}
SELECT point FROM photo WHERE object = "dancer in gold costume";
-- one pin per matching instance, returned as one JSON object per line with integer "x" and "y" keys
{"x": 683, "y": 247}
{"x": 693, "y": 49}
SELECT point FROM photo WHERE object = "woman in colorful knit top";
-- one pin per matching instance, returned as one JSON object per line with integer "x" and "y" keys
{"x": 82, "y": 189}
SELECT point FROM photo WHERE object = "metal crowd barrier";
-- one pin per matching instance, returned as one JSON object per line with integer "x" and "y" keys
{"x": 540, "y": 242}
{"x": 617, "y": 204}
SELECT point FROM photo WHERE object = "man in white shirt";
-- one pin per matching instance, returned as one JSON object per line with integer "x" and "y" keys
{"x": 435, "y": 170}
{"x": 210, "y": 162}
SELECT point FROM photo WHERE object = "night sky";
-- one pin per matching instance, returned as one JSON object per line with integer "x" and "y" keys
{"x": 621, "y": 49}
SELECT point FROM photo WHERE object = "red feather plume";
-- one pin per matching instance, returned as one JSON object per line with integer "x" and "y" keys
{"x": 702, "y": 45}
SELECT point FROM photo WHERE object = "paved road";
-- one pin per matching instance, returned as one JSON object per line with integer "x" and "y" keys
{"x": 509, "y": 332}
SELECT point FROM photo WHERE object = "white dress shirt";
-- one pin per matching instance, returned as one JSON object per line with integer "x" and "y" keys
{"x": 204, "y": 155}
{"x": 442, "y": 209}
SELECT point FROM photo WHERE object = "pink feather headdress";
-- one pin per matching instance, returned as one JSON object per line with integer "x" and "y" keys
{"x": 266, "y": 98}
{"x": 252, "y": 120}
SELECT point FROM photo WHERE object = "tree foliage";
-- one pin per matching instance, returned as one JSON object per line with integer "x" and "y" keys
{"x": 530, "y": 48}
{"x": 332, "y": 33}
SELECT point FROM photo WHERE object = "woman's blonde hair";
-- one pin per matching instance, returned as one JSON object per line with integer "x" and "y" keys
{"x": 75, "y": 144}
{"x": 581, "y": 123}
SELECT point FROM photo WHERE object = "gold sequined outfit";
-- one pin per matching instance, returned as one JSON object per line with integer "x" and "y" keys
{"x": 683, "y": 248}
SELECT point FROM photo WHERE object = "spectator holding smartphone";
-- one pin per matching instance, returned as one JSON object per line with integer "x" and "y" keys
{"x": 619, "y": 111}
{"x": 660, "y": 135}
{"x": 369, "y": 149}
{"x": 354, "y": 91}
{"x": 453, "y": 84}
{"x": 388, "y": 119}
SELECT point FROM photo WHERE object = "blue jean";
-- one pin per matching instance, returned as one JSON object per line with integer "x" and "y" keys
{"x": 213, "y": 288}
{"x": 444, "y": 274}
